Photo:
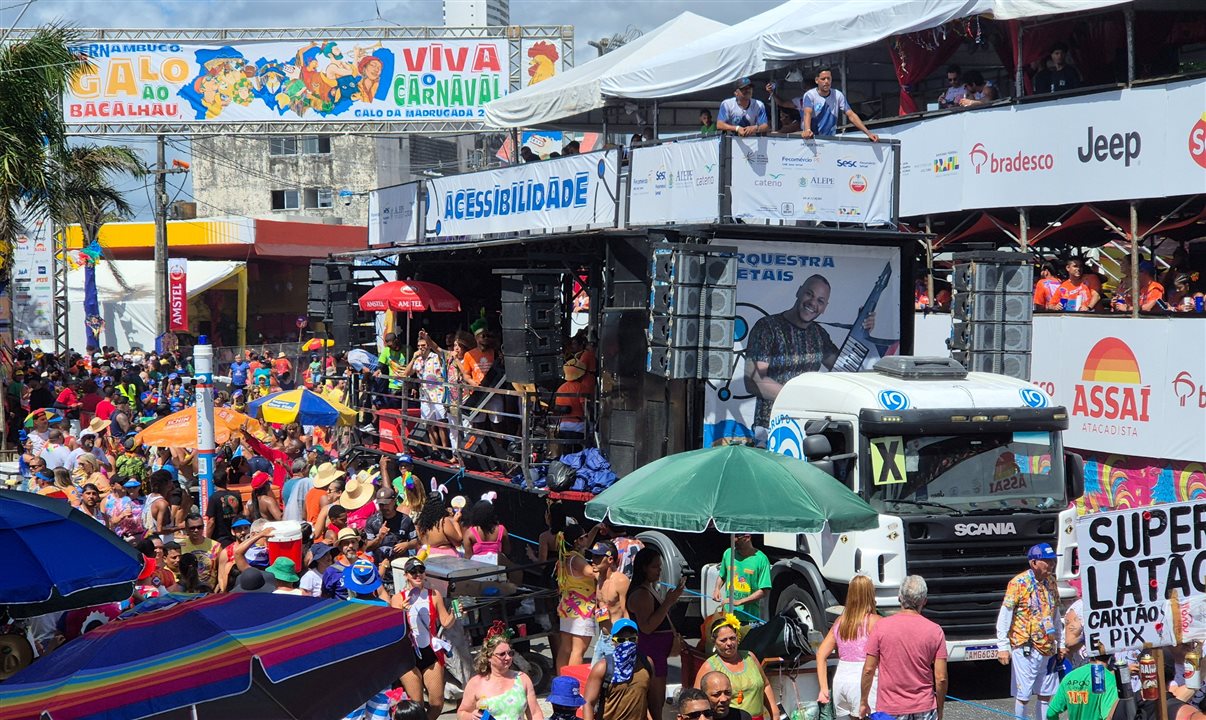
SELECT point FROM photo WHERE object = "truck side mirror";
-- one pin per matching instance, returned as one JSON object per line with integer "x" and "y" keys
{"x": 816, "y": 447}
{"x": 1074, "y": 475}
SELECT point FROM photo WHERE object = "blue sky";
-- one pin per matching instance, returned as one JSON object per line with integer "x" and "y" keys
{"x": 592, "y": 19}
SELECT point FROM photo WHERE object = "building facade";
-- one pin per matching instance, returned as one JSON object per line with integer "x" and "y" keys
{"x": 321, "y": 178}
{"x": 477, "y": 13}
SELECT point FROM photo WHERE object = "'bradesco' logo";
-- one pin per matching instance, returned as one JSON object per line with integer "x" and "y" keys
{"x": 1111, "y": 389}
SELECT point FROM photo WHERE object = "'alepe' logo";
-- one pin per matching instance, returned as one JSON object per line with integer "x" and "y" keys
{"x": 1018, "y": 162}
{"x": 1111, "y": 389}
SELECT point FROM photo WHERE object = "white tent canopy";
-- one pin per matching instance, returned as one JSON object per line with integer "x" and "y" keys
{"x": 129, "y": 314}
{"x": 577, "y": 90}
{"x": 802, "y": 29}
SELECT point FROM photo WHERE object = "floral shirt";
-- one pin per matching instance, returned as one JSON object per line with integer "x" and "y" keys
{"x": 1035, "y": 613}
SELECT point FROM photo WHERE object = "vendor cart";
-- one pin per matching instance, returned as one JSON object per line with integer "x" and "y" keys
{"x": 483, "y": 594}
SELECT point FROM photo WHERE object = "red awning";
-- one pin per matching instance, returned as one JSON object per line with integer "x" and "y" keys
{"x": 983, "y": 227}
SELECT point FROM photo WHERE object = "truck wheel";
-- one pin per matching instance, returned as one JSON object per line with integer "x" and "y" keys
{"x": 812, "y": 609}
{"x": 539, "y": 670}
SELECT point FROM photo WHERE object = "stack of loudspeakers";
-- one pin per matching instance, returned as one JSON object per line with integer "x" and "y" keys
{"x": 992, "y": 309}
{"x": 333, "y": 298}
{"x": 532, "y": 312}
{"x": 692, "y": 310}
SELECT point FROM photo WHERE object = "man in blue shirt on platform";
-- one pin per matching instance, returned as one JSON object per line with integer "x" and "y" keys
{"x": 742, "y": 114}
{"x": 821, "y": 106}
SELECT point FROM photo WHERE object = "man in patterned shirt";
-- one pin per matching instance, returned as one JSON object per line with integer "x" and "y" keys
{"x": 1029, "y": 633}
{"x": 786, "y": 344}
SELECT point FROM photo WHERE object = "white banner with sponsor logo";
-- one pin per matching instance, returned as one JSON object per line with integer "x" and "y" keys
{"x": 1116, "y": 145}
{"x": 393, "y": 215}
{"x": 1133, "y": 563}
{"x": 789, "y": 179}
{"x": 1134, "y": 387}
{"x": 800, "y": 307}
{"x": 33, "y": 299}
{"x": 676, "y": 182}
{"x": 575, "y": 192}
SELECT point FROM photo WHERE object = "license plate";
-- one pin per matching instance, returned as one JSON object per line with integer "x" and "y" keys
{"x": 980, "y": 652}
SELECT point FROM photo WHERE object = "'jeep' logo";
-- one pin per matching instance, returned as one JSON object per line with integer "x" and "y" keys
{"x": 997, "y": 528}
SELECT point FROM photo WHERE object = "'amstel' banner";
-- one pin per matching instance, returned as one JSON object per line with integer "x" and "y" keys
{"x": 320, "y": 80}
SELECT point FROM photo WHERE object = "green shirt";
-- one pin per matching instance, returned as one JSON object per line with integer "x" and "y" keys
{"x": 384, "y": 360}
{"x": 750, "y": 575}
{"x": 1075, "y": 696}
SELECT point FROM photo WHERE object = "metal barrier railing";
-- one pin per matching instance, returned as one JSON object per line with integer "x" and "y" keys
{"x": 513, "y": 431}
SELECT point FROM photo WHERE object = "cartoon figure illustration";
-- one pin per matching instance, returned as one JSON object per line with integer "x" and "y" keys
{"x": 370, "y": 78}
{"x": 543, "y": 62}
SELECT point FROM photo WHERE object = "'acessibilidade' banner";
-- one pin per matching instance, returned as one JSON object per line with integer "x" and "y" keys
{"x": 786, "y": 179}
{"x": 361, "y": 79}
{"x": 801, "y": 307}
{"x": 677, "y": 182}
{"x": 573, "y": 192}
{"x": 1143, "y": 575}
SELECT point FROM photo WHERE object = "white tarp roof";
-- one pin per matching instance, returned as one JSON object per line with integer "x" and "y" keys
{"x": 801, "y": 29}
{"x": 577, "y": 90}
{"x": 129, "y": 315}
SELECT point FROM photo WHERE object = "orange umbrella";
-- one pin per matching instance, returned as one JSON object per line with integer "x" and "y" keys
{"x": 179, "y": 430}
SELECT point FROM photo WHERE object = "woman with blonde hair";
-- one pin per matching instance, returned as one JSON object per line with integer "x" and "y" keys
{"x": 849, "y": 635}
{"x": 497, "y": 687}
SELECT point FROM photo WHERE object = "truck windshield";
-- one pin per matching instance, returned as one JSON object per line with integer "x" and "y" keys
{"x": 966, "y": 473}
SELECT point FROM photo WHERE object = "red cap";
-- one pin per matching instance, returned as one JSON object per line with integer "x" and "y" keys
{"x": 259, "y": 479}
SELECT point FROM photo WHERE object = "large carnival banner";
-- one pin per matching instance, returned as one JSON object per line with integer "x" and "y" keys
{"x": 787, "y": 179}
{"x": 675, "y": 183}
{"x": 576, "y": 192}
{"x": 801, "y": 307}
{"x": 389, "y": 80}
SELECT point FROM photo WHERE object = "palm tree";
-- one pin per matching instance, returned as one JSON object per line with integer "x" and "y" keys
{"x": 89, "y": 199}
{"x": 34, "y": 73}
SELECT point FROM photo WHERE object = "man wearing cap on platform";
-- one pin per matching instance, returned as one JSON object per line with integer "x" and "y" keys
{"x": 620, "y": 684}
{"x": 741, "y": 113}
{"x": 1029, "y": 632}
{"x": 392, "y": 364}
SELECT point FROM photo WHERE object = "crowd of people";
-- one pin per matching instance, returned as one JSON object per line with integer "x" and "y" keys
{"x": 1079, "y": 288}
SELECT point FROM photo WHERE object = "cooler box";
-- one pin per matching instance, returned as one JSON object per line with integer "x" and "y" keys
{"x": 441, "y": 569}
{"x": 393, "y": 434}
{"x": 579, "y": 673}
{"x": 286, "y": 541}
{"x": 10, "y": 475}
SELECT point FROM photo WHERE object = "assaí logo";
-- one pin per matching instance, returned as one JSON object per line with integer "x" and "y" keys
{"x": 1111, "y": 396}
{"x": 980, "y": 156}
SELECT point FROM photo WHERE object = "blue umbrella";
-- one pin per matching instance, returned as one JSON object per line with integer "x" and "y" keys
{"x": 300, "y": 405}
{"x": 58, "y": 558}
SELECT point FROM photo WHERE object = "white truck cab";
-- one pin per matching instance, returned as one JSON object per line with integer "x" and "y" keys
{"x": 966, "y": 469}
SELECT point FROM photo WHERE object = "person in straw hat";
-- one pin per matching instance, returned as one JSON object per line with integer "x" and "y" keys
{"x": 316, "y": 498}
{"x": 357, "y": 499}
{"x": 571, "y": 406}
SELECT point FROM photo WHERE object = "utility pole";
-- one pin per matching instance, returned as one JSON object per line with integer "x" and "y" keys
{"x": 161, "y": 172}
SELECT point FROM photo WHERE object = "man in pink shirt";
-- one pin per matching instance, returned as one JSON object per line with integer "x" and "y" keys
{"x": 909, "y": 652}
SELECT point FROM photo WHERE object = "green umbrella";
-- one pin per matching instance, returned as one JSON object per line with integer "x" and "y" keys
{"x": 735, "y": 489}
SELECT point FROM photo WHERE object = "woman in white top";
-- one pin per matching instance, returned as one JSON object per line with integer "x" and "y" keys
{"x": 426, "y": 613}
{"x": 320, "y": 559}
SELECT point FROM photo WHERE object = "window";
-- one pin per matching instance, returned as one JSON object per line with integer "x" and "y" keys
{"x": 285, "y": 200}
{"x": 282, "y": 146}
{"x": 319, "y": 197}
{"x": 316, "y": 145}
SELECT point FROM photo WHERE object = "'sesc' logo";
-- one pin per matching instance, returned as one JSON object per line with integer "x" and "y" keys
{"x": 1197, "y": 141}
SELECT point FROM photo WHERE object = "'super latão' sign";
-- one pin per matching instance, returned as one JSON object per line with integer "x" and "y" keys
{"x": 1138, "y": 568}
